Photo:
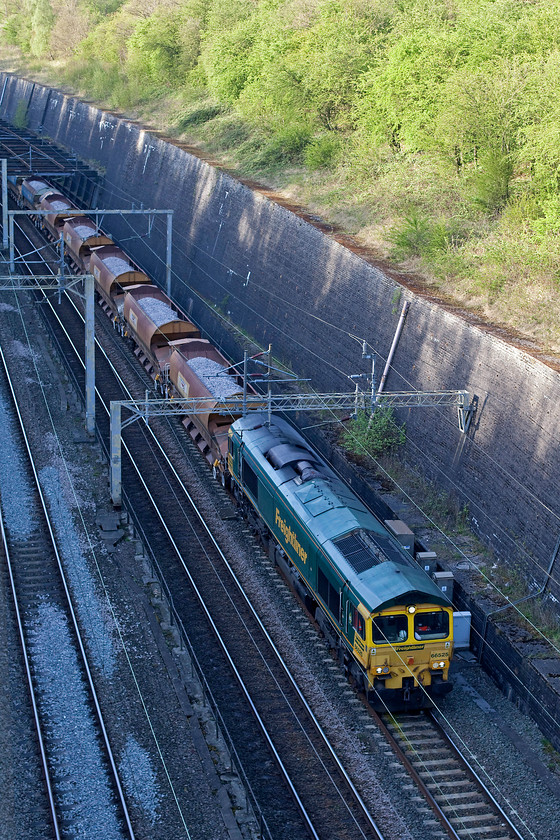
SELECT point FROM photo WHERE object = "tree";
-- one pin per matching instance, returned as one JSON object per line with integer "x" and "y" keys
{"x": 480, "y": 119}
{"x": 42, "y": 21}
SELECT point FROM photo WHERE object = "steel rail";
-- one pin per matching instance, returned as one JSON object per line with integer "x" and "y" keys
{"x": 198, "y": 594}
{"x": 238, "y": 584}
{"x": 470, "y": 773}
{"x": 44, "y": 150}
{"x": 36, "y": 717}
{"x": 240, "y": 589}
{"x": 475, "y": 776}
{"x": 288, "y": 780}
{"x": 449, "y": 828}
{"x": 413, "y": 773}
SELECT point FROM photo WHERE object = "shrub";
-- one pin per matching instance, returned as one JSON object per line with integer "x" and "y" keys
{"x": 20, "y": 116}
{"x": 492, "y": 181}
{"x": 373, "y": 435}
{"x": 285, "y": 147}
{"x": 321, "y": 152}
{"x": 16, "y": 30}
{"x": 419, "y": 237}
{"x": 413, "y": 238}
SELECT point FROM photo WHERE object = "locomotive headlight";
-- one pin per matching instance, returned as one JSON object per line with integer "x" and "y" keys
{"x": 442, "y": 664}
{"x": 379, "y": 670}
{"x": 411, "y": 610}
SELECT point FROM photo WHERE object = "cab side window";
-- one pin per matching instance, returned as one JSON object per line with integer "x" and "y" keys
{"x": 387, "y": 629}
{"x": 357, "y": 622}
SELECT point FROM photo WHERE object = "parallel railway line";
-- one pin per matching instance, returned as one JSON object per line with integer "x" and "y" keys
{"x": 62, "y": 694}
{"x": 463, "y": 804}
{"x": 25, "y": 152}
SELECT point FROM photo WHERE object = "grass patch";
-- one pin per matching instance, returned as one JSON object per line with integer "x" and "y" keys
{"x": 449, "y": 513}
{"x": 280, "y": 150}
{"x": 552, "y": 756}
{"x": 196, "y": 117}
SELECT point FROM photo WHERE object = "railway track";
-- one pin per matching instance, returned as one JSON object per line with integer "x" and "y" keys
{"x": 198, "y": 581}
{"x": 299, "y": 785}
{"x": 460, "y": 799}
{"x": 82, "y": 785}
{"x": 463, "y": 804}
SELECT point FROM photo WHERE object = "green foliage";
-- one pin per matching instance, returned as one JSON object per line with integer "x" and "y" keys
{"x": 20, "y": 118}
{"x": 154, "y": 50}
{"x": 548, "y": 220}
{"x": 42, "y": 22}
{"x": 492, "y": 180}
{"x": 552, "y": 756}
{"x": 165, "y": 46}
{"x": 412, "y": 238}
{"x": 102, "y": 8}
{"x": 440, "y": 119}
{"x": 16, "y": 30}
{"x": 374, "y": 435}
{"x": 198, "y": 116}
{"x": 543, "y": 614}
{"x": 322, "y": 152}
{"x": 228, "y": 55}
{"x": 288, "y": 146}
{"x": 269, "y": 153}
{"x": 417, "y": 236}
{"x": 229, "y": 133}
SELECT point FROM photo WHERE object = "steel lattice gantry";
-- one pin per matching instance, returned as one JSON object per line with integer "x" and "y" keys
{"x": 236, "y": 406}
{"x": 30, "y": 154}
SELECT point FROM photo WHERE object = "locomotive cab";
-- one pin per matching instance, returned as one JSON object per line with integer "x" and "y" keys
{"x": 410, "y": 650}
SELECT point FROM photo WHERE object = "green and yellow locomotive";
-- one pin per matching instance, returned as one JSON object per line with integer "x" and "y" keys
{"x": 392, "y": 625}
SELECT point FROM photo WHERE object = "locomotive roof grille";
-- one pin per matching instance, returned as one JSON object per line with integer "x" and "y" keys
{"x": 385, "y": 546}
{"x": 363, "y": 550}
{"x": 358, "y": 554}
